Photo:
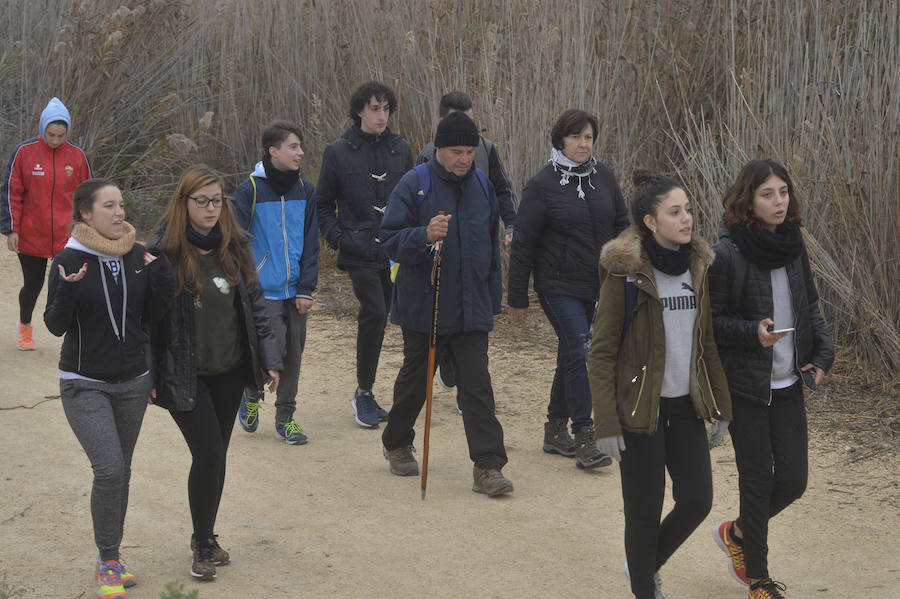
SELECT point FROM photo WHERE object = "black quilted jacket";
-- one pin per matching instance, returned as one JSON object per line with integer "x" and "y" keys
{"x": 740, "y": 295}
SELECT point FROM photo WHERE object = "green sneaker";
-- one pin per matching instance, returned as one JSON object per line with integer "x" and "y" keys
{"x": 248, "y": 413}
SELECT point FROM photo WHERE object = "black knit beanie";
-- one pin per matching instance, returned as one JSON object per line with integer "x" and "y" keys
{"x": 456, "y": 129}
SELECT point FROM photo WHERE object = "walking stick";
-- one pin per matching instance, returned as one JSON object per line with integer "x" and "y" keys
{"x": 429, "y": 374}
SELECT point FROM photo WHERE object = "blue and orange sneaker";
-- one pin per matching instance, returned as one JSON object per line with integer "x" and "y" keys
{"x": 109, "y": 580}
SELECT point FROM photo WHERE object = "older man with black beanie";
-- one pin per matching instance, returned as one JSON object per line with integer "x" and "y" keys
{"x": 448, "y": 200}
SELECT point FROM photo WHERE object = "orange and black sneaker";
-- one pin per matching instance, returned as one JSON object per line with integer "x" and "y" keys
{"x": 767, "y": 589}
{"x": 735, "y": 552}
{"x": 25, "y": 336}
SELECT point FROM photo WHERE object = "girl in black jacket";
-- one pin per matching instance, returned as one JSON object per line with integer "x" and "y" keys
{"x": 216, "y": 341}
{"x": 772, "y": 339}
{"x": 570, "y": 208}
{"x": 103, "y": 289}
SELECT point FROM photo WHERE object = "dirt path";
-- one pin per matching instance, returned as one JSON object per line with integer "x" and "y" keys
{"x": 328, "y": 519}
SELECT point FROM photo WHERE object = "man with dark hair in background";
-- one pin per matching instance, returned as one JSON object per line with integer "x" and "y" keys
{"x": 488, "y": 160}
{"x": 359, "y": 171}
{"x": 277, "y": 206}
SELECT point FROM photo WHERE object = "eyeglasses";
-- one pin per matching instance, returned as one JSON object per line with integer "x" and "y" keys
{"x": 203, "y": 202}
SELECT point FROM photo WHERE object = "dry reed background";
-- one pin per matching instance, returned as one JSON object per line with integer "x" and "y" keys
{"x": 694, "y": 88}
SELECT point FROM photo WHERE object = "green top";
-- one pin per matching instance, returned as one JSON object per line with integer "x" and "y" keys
{"x": 216, "y": 321}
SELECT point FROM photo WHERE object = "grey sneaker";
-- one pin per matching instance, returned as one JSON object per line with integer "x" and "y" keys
{"x": 557, "y": 439}
{"x": 586, "y": 453}
{"x": 401, "y": 460}
{"x": 491, "y": 482}
{"x": 657, "y": 582}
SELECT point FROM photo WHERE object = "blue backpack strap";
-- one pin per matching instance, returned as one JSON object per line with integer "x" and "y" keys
{"x": 424, "y": 182}
{"x": 630, "y": 303}
{"x": 482, "y": 178}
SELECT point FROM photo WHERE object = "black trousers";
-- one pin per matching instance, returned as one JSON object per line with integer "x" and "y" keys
{"x": 33, "y": 271}
{"x": 476, "y": 396}
{"x": 771, "y": 447}
{"x": 207, "y": 430}
{"x": 679, "y": 446}
{"x": 372, "y": 288}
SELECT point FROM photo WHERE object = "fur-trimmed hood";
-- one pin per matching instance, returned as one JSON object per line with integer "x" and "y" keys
{"x": 625, "y": 255}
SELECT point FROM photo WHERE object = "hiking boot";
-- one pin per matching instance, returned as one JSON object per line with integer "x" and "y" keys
{"x": 25, "y": 336}
{"x": 203, "y": 566}
{"x": 402, "y": 461}
{"x": 490, "y": 482}
{"x": 767, "y": 589}
{"x": 657, "y": 582}
{"x": 220, "y": 557}
{"x": 291, "y": 432}
{"x": 128, "y": 579}
{"x": 248, "y": 413}
{"x": 446, "y": 376}
{"x": 557, "y": 439}
{"x": 109, "y": 580}
{"x": 586, "y": 453}
{"x": 725, "y": 539}
{"x": 365, "y": 410}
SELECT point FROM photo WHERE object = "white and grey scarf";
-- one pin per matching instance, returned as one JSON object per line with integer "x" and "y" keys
{"x": 569, "y": 168}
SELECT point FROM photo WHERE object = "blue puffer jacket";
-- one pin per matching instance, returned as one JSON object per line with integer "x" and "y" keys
{"x": 285, "y": 243}
{"x": 471, "y": 287}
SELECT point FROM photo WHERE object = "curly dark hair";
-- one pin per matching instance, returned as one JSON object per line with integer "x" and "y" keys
{"x": 738, "y": 200}
{"x": 649, "y": 191}
{"x": 364, "y": 93}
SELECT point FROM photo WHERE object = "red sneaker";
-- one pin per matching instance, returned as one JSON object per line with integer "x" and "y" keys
{"x": 735, "y": 553}
{"x": 25, "y": 340}
{"x": 767, "y": 589}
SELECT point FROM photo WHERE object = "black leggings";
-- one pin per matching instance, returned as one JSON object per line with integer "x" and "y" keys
{"x": 771, "y": 451}
{"x": 33, "y": 271}
{"x": 679, "y": 446}
{"x": 207, "y": 430}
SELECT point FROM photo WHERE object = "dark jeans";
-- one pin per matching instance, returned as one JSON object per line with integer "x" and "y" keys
{"x": 207, "y": 430}
{"x": 476, "y": 396}
{"x": 771, "y": 451}
{"x": 106, "y": 418}
{"x": 289, "y": 328}
{"x": 570, "y": 395}
{"x": 679, "y": 446}
{"x": 373, "y": 291}
{"x": 33, "y": 271}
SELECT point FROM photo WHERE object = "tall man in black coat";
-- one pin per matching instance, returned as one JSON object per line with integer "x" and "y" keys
{"x": 359, "y": 171}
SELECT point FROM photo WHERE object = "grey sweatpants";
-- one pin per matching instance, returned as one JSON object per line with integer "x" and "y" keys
{"x": 289, "y": 327}
{"x": 106, "y": 418}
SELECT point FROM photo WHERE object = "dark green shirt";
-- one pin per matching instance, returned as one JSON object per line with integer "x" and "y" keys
{"x": 216, "y": 319}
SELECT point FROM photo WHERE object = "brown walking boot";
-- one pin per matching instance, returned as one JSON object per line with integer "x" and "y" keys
{"x": 557, "y": 439}
{"x": 491, "y": 482}
{"x": 586, "y": 453}
{"x": 220, "y": 556}
{"x": 401, "y": 460}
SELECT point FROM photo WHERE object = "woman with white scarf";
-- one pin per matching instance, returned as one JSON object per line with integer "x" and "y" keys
{"x": 103, "y": 290}
{"x": 569, "y": 209}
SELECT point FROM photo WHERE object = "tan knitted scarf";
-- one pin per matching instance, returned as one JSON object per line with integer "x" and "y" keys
{"x": 92, "y": 239}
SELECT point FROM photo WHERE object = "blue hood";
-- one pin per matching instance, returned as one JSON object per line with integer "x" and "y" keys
{"x": 55, "y": 111}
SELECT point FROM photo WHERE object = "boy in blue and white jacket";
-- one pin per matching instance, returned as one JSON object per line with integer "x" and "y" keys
{"x": 278, "y": 208}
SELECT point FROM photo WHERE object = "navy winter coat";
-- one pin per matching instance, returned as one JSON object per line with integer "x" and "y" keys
{"x": 471, "y": 288}
{"x": 359, "y": 171}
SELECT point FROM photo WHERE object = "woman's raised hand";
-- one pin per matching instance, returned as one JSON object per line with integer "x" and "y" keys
{"x": 75, "y": 276}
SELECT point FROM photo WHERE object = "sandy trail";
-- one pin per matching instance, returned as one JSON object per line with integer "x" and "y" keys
{"x": 328, "y": 519}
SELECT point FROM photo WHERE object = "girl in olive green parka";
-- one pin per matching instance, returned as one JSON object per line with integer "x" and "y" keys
{"x": 655, "y": 375}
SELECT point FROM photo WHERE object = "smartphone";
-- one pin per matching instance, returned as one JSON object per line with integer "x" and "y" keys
{"x": 776, "y": 331}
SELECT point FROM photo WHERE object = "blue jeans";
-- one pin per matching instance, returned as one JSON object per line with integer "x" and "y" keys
{"x": 570, "y": 395}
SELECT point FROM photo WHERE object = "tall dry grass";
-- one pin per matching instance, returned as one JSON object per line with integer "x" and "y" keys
{"x": 694, "y": 88}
